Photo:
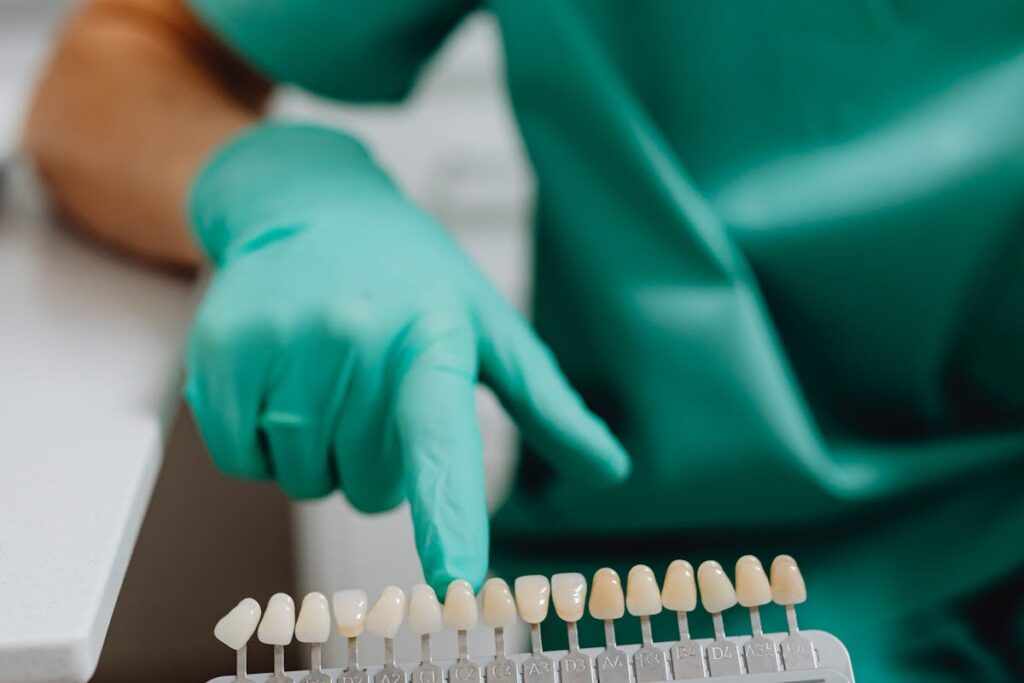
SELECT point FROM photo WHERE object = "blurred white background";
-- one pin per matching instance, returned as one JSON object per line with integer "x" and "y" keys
{"x": 25, "y": 27}
{"x": 453, "y": 147}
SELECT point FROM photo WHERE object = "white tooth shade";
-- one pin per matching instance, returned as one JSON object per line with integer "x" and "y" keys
{"x": 643, "y": 599}
{"x": 787, "y": 582}
{"x": 499, "y": 606}
{"x": 460, "y": 611}
{"x": 387, "y": 613}
{"x": 236, "y": 627}
{"x": 424, "y": 611}
{"x": 752, "y": 587}
{"x": 679, "y": 592}
{"x": 532, "y": 595}
{"x": 716, "y": 591}
{"x": 278, "y": 624}
{"x": 314, "y": 622}
{"x": 569, "y": 593}
{"x": 350, "y": 612}
{"x": 606, "y": 598}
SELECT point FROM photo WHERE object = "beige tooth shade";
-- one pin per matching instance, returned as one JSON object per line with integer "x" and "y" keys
{"x": 716, "y": 591}
{"x": 278, "y": 624}
{"x": 386, "y": 616}
{"x": 350, "y": 612}
{"x": 237, "y": 626}
{"x": 569, "y": 593}
{"x": 643, "y": 599}
{"x": 606, "y": 598}
{"x": 679, "y": 592}
{"x": 532, "y": 595}
{"x": 752, "y": 587}
{"x": 460, "y": 612}
{"x": 314, "y": 622}
{"x": 787, "y": 582}
{"x": 424, "y": 611}
{"x": 499, "y": 606}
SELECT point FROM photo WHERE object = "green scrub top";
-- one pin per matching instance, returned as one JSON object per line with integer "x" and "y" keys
{"x": 780, "y": 248}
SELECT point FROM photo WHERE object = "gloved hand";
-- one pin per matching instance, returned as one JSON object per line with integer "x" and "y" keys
{"x": 341, "y": 340}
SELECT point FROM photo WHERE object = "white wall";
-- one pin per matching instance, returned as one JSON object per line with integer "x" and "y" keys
{"x": 25, "y": 34}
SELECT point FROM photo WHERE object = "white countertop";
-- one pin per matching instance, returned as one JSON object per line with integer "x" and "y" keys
{"x": 89, "y": 354}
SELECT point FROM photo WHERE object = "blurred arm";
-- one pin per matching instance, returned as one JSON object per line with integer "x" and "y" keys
{"x": 136, "y": 96}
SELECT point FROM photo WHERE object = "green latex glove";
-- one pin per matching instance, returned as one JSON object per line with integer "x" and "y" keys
{"x": 342, "y": 339}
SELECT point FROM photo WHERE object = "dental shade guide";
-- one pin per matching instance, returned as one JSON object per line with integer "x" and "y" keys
{"x": 788, "y": 590}
{"x": 569, "y": 593}
{"x": 277, "y": 628}
{"x": 384, "y": 620}
{"x": 313, "y": 627}
{"x": 533, "y": 593}
{"x": 499, "y": 610}
{"x": 717, "y": 595}
{"x": 460, "y": 615}
{"x": 425, "y": 619}
{"x": 643, "y": 599}
{"x": 350, "y": 617}
{"x": 679, "y": 593}
{"x": 235, "y": 629}
{"x": 806, "y": 656}
{"x": 753, "y": 591}
{"x": 608, "y": 603}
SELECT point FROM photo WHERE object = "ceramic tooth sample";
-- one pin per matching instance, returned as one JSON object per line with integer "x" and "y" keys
{"x": 753, "y": 591}
{"x": 314, "y": 627}
{"x": 235, "y": 629}
{"x": 569, "y": 593}
{"x": 607, "y": 603}
{"x": 460, "y": 615}
{"x": 717, "y": 595}
{"x": 425, "y": 620}
{"x": 350, "y": 618}
{"x": 533, "y": 593}
{"x": 499, "y": 611}
{"x": 277, "y": 628}
{"x": 643, "y": 599}
{"x": 788, "y": 590}
{"x": 679, "y": 593}
{"x": 384, "y": 620}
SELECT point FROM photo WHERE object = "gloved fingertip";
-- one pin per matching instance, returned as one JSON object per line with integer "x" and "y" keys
{"x": 615, "y": 465}
{"x": 610, "y": 464}
{"x": 441, "y": 572}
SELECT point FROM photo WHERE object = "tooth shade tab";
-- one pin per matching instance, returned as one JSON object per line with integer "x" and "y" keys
{"x": 499, "y": 606}
{"x": 386, "y": 615}
{"x": 278, "y": 624}
{"x": 679, "y": 592}
{"x": 606, "y": 598}
{"x": 532, "y": 595}
{"x": 350, "y": 612}
{"x": 716, "y": 591}
{"x": 569, "y": 593}
{"x": 237, "y": 626}
{"x": 643, "y": 599}
{"x": 752, "y": 587}
{"x": 460, "y": 611}
{"x": 424, "y": 611}
{"x": 787, "y": 583}
{"x": 314, "y": 622}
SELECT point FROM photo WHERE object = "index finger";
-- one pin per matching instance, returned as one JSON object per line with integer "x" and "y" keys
{"x": 439, "y": 439}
